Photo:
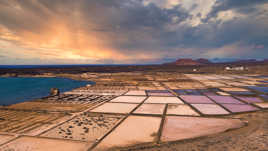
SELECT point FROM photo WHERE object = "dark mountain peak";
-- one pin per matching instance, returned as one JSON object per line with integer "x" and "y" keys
{"x": 190, "y": 62}
{"x": 186, "y": 61}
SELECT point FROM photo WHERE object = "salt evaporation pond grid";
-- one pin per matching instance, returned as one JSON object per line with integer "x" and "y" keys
{"x": 209, "y": 93}
{"x": 196, "y": 99}
{"x": 180, "y": 91}
{"x": 237, "y": 108}
{"x": 210, "y": 109}
{"x": 85, "y": 127}
{"x": 134, "y": 130}
{"x": 115, "y": 108}
{"x": 225, "y": 99}
{"x": 249, "y": 99}
{"x": 260, "y": 89}
{"x": 192, "y": 92}
{"x": 158, "y": 93}
{"x": 162, "y": 99}
{"x": 180, "y": 109}
{"x": 150, "y": 109}
{"x": 129, "y": 99}
{"x": 179, "y": 128}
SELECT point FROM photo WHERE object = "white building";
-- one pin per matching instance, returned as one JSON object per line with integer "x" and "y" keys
{"x": 240, "y": 68}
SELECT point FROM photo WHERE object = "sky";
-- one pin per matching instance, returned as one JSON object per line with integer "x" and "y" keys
{"x": 131, "y": 31}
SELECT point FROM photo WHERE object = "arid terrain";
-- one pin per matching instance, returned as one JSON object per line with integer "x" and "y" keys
{"x": 151, "y": 108}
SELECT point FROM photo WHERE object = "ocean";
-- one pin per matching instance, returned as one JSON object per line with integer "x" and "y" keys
{"x": 20, "y": 89}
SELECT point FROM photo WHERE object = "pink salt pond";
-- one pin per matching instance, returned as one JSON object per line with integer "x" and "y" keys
{"x": 159, "y": 93}
{"x": 150, "y": 109}
{"x": 134, "y": 130}
{"x": 225, "y": 99}
{"x": 179, "y": 128}
{"x": 115, "y": 108}
{"x": 210, "y": 109}
{"x": 129, "y": 99}
{"x": 236, "y": 108}
{"x": 181, "y": 109}
{"x": 196, "y": 99}
{"x": 250, "y": 99}
{"x": 162, "y": 99}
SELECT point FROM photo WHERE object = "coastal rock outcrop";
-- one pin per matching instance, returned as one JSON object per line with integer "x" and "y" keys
{"x": 54, "y": 91}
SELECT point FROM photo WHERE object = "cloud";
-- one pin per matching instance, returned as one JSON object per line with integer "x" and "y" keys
{"x": 244, "y": 6}
{"x": 119, "y": 31}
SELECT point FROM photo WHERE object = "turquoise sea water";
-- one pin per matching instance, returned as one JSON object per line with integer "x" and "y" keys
{"x": 15, "y": 90}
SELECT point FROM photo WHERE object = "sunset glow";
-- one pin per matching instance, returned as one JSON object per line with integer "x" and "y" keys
{"x": 118, "y": 31}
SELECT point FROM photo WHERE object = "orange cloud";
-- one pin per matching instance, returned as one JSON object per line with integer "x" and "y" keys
{"x": 69, "y": 43}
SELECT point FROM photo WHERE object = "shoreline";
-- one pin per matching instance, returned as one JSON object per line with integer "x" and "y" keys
{"x": 47, "y": 95}
{"x": 76, "y": 77}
